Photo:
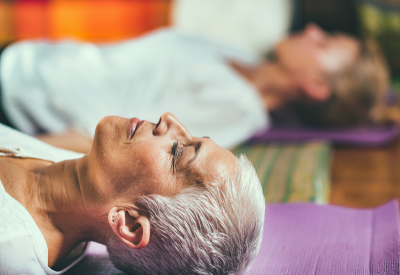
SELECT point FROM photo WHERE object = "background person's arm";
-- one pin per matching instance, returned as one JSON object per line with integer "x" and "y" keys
{"x": 69, "y": 140}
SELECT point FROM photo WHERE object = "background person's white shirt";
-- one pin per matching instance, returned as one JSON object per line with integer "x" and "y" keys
{"x": 23, "y": 249}
{"x": 254, "y": 25}
{"x": 55, "y": 86}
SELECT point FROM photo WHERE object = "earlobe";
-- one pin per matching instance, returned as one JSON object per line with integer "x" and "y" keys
{"x": 131, "y": 227}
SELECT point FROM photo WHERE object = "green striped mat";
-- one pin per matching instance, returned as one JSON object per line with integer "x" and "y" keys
{"x": 291, "y": 172}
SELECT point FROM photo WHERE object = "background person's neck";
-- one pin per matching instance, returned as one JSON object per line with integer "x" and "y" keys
{"x": 272, "y": 82}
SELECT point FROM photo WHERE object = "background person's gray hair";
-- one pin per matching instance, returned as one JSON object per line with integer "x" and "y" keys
{"x": 207, "y": 230}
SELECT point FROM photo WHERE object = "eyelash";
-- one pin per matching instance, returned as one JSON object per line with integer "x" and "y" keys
{"x": 176, "y": 153}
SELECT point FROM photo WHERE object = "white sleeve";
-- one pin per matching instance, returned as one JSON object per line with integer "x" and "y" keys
{"x": 44, "y": 83}
{"x": 17, "y": 255}
{"x": 37, "y": 75}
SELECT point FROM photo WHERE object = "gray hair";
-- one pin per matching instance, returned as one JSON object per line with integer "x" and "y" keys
{"x": 201, "y": 230}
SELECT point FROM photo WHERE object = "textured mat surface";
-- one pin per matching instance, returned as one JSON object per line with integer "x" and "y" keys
{"x": 309, "y": 239}
{"x": 362, "y": 137}
{"x": 320, "y": 239}
{"x": 96, "y": 262}
{"x": 291, "y": 172}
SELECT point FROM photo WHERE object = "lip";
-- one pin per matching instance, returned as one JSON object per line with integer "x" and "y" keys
{"x": 134, "y": 125}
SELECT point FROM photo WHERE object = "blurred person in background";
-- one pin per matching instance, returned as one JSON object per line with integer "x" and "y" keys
{"x": 62, "y": 89}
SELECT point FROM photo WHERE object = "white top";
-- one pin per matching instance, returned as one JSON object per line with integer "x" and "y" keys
{"x": 55, "y": 86}
{"x": 23, "y": 249}
{"x": 254, "y": 25}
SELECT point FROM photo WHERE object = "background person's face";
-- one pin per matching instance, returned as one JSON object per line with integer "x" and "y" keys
{"x": 314, "y": 52}
{"x": 159, "y": 159}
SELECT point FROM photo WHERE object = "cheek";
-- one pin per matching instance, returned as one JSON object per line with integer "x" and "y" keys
{"x": 142, "y": 171}
{"x": 155, "y": 175}
{"x": 105, "y": 141}
{"x": 306, "y": 63}
{"x": 137, "y": 169}
{"x": 295, "y": 57}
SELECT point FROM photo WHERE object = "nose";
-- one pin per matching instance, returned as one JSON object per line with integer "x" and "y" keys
{"x": 315, "y": 33}
{"x": 170, "y": 125}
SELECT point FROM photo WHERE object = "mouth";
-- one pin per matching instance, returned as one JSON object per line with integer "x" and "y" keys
{"x": 134, "y": 125}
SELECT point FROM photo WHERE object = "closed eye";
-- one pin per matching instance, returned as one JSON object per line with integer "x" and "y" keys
{"x": 176, "y": 152}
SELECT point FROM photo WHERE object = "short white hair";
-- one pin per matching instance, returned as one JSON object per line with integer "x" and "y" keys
{"x": 202, "y": 230}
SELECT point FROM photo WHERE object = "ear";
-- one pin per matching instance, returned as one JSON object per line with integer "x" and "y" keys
{"x": 315, "y": 89}
{"x": 131, "y": 227}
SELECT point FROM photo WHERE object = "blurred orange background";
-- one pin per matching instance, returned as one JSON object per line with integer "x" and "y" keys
{"x": 88, "y": 20}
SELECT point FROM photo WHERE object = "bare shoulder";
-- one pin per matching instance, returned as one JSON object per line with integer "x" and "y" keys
{"x": 15, "y": 173}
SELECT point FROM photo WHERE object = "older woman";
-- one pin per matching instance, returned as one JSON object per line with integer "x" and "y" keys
{"x": 163, "y": 201}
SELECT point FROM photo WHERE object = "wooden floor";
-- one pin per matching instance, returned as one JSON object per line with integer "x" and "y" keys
{"x": 365, "y": 177}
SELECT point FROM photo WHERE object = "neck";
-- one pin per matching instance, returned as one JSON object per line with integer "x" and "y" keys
{"x": 272, "y": 83}
{"x": 67, "y": 217}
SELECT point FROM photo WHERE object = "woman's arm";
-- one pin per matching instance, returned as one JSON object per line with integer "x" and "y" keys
{"x": 69, "y": 140}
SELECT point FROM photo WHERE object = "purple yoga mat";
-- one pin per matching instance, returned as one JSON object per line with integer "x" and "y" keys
{"x": 366, "y": 137}
{"x": 322, "y": 239}
{"x": 309, "y": 239}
